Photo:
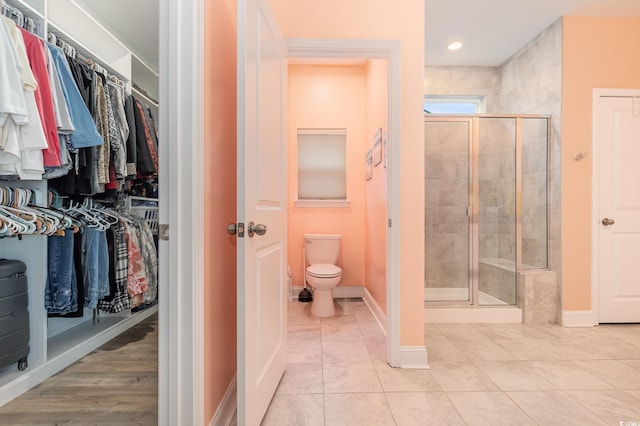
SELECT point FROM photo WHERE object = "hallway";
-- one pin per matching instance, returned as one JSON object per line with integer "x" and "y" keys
{"x": 481, "y": 374}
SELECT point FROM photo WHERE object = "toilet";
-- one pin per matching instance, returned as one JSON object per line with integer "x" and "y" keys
{"x": 321, "y": 253}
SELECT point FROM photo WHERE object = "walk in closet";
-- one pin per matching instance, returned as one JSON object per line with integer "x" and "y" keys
{"x": 56, "y": 342}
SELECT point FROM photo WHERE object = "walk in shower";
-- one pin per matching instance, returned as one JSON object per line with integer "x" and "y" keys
{"x": 486, "y": 214}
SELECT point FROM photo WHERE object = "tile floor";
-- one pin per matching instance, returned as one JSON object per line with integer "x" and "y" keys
{"x": 481, "y": 374}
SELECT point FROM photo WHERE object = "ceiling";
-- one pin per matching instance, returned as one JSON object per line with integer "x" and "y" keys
{"x": 492, "y": 30}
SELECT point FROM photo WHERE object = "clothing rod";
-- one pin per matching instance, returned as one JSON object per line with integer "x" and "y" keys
{"x": 146, "y": 97}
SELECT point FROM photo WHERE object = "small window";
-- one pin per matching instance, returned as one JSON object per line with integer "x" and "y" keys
{"x": 322, "y": 164}
{"x": 453, "y": 104}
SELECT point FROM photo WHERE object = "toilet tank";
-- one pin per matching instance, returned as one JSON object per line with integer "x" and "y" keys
{"x": 322, "y": 248}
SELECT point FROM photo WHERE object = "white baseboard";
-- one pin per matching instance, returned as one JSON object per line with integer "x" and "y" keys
{"x": 340, "y": 292}
{"x": 376, "y": 310}
{"x": 227, "y": 408}
{"x": 578, "y": 319}
{"x": 414, "y": 357}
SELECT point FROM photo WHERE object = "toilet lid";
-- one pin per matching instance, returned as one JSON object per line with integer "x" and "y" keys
{"x": 324, "y": 270}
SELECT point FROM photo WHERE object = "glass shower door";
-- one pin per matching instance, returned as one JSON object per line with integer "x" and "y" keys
{"x": 447, "y": 220}
{"x": 495, "y": 211}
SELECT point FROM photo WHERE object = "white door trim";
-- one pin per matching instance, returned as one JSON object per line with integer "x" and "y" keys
{"x": 595, "y": 191}
{"x": 181, "y": 289}
{"x": 391, "y": 51}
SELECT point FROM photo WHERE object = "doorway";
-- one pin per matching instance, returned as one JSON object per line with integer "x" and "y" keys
{"x": 616, "y": 206}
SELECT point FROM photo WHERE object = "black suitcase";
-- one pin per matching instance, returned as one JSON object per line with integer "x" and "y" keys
{"x": 14, "y": 314}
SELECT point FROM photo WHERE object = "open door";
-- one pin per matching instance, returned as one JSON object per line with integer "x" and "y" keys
{"x": 262, "y": 209}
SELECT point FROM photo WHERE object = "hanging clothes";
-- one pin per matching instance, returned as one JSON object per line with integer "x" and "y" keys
{"x": 44, "y": 100}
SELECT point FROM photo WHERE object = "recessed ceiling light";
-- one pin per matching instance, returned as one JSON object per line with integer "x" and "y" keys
{"x": 455, "y": 45}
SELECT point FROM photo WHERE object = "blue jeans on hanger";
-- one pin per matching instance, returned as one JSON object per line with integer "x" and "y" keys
{"x": 60, "y": 293}
{"x": 95, "y": 267}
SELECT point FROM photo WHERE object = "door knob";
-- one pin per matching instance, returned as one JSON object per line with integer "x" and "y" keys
{"x": 606, "y": 221}
{"x": 258, "y": 229}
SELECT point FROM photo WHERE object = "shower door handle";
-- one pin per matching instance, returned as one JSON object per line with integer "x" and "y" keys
{"x": 607, "y": 222}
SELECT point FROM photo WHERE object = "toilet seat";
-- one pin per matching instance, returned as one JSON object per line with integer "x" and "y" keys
{"x": 324, "y": 270}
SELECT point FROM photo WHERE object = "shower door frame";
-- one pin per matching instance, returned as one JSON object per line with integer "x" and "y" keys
{"x": 473, "y": 209}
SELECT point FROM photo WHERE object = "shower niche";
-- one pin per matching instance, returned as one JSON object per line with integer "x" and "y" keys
{"x": 486, "y": 206}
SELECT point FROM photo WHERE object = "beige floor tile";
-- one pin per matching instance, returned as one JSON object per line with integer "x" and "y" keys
{"x": 350, "y": 377}
{"x": 431, "y": 330}
{"x": 551, "y": 408}
{"x": 621, "y": 331}
{"x": 295, "y": 410}
{"x": 357, "y": 409}
{"x": 488, "y": 408}
{"x": 307, "y": 351}
{"x": 405, "y": 380}
{"x": 617, "y": 374}
{"x": 377, "y": 349}
{"x": 635, "y": 363}
{"x": 461, "y": 331}
{"x": 461, "y": 376}
{"x": 482, "y": 350}
{"x": 342, "y": 328}
{"x": 611, "y": 406}
{"x": 504, "y": 331}
{"x": 303, "y": 332}
{"x": 576, "y": 349}
{"x": 566, "y": 375}
{"x": 421, "y": 408}
{"x": 301, "y": 378}
{"x": 370, "y": 329}
{"x": 633, "y": 393}
{"x": 528, "y": 350}
{"x": 514, "y": 375}
{"x": 346, "y": 351}
{"x": 634, "y": 342}
{"x": 440, "y": 348}
{"x": 619, "y": 349}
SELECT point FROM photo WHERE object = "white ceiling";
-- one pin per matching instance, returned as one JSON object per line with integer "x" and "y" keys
{"x": 492, "y": 30}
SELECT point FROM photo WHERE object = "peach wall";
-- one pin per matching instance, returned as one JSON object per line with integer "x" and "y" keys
{"x": 597, "y": 53}
{"x": 220, "y": 201}
{"x": 385, "y": 19}
{"x": 329, "y": 97}
{"x": 375, "y": 268}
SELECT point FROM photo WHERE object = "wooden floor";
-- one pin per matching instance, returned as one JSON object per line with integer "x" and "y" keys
{"x": 114, "y": 385}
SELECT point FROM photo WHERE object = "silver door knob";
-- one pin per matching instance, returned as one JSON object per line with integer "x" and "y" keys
{"x": 258, "y": 229}
{"x": 606, "y": 221}
{"x": 232, "y": 229}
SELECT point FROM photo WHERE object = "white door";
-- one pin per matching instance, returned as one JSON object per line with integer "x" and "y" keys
{"x": 262, "y": 199}
{"x": 618, "y": 208}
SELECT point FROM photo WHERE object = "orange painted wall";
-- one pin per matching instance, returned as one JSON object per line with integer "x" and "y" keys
{"x": 385, "y": 19}
{"x": 329, "y": 97}
{"x": 375, "y": 267}
{"x": 597, "y": 53}
{"x": 220, "y": 201}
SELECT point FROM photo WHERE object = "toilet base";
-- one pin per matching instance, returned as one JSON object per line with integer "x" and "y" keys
{"x": 322, "y": 305}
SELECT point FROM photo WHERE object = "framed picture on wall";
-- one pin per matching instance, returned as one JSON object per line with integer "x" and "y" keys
{"x": 368, "y": 165}
{"x": 377, "y": 147}
{"x": 384, "y": 149}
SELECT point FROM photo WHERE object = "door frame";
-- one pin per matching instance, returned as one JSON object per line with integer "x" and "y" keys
{"x": 595, "y": 192}
{"x": 181, "y": 183}
{"x": 303, "y": 48}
